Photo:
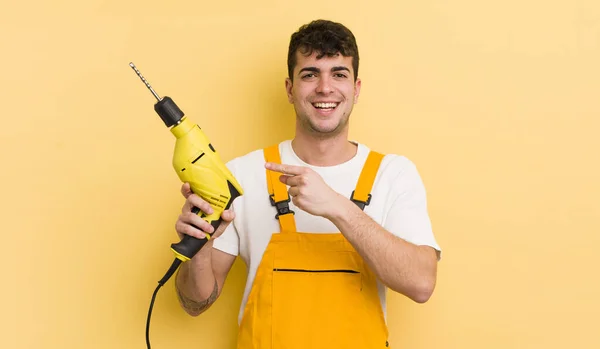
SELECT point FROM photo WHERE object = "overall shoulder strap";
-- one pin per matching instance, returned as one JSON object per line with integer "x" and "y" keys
{"x": 278, "y": 194}
{"x": 361, "y": 196}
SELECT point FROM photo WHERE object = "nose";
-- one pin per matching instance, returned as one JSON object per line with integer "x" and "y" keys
{"x": 324, "y": 86}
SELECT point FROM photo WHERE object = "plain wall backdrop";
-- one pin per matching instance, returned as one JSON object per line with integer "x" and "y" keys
{"x": 495, "y": 102}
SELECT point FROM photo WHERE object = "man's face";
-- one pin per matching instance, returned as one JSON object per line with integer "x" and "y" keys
{"x": 323, "y": 93}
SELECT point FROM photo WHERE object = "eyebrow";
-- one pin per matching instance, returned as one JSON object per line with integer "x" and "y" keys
{"x": 317, "y": 70}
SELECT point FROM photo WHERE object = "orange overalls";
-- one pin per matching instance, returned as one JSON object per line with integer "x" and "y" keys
{"x": 313, "y": 291}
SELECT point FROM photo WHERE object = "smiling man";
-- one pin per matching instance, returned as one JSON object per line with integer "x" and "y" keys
{"x": 324, "y": 92}
{"x": 326, "y": 225}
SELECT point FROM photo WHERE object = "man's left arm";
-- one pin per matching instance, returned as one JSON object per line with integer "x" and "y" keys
{"x": 406, "y": 267}
{"x": 401, "y": 265}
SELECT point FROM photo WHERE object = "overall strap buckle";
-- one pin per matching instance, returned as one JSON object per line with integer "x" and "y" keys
{"x": 360, "y": 203}
{"x": 366, "y": 180}
{"x": 278, "y": 194}
{"x": 283, "y": 207}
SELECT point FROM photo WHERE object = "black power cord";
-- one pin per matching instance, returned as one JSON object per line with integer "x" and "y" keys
{"x": 162, "y": 281}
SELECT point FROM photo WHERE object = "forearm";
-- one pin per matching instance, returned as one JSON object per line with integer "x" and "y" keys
{"x": 197, "y": 287}
{"x": 403, "y": 267}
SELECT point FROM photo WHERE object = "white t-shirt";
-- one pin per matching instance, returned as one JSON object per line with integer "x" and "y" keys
{"x": 398, "y": 203}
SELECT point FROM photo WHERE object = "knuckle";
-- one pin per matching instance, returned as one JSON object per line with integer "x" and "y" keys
{"x": 190, "y": 230}
{"x": 194, "y": 199}
{"x": 182, "y": 218}
{"x": 200, "y": 203}
{"x": 230, "y": 215}
{"x": 202, "y": 225}
{"x": 187, "y": 216}
{"x": 188, "y": 206}
{"x": 198, "y": 198}
{"x": 184, "y": 229}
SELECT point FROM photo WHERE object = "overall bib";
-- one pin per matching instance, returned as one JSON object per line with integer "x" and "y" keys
{"x": 313, "y": 290}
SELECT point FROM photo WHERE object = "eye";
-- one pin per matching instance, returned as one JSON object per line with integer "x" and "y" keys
{"x": 340, "y": 75}
{"x": 309, "y": 75}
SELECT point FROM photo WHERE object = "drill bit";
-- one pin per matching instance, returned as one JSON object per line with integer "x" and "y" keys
{"x": 144, "y": 81}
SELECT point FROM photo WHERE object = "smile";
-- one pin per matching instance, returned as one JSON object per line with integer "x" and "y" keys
{"x": 325, "y": 105}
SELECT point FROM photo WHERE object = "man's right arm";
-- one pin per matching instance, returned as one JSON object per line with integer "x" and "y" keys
{"x": 200, "y": 281}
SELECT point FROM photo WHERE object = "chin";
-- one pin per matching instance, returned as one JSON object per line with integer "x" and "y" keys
{"x": 326, "y": 130}
{"x": 330, "y": 126}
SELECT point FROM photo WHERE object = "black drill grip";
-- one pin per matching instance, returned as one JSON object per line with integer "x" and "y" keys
{"x": 189, "y": 245}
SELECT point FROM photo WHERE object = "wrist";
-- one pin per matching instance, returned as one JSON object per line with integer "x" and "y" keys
{"x": 201, "y": 260}
{"x": 197, "y": 271}
{"x": 340, "y": 208}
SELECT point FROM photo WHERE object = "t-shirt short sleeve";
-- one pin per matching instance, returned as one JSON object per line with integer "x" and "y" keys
{"x": 229, "y": 241}
{"x": 408, "y": 217}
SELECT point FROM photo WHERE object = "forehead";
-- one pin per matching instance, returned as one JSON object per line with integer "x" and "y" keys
{"x": 323, "y": 63}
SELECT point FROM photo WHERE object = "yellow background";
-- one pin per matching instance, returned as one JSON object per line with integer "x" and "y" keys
{"x": 496, "y": 103}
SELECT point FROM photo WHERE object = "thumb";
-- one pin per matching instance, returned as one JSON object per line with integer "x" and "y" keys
{"x": 227, "y": 216}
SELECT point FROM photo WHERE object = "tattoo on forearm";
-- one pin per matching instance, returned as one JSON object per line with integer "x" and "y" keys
{"x": 198, "y": 307}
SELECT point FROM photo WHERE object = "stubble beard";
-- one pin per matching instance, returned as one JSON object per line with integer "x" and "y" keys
{"x": 314, "y": 130}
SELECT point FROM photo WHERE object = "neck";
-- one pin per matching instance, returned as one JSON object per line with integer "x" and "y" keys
{"x": 324, "y": 151}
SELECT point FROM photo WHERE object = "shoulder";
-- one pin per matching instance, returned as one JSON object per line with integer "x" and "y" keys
{"x": 246, "y": 163}
{"x": 396, "y": 170}
{"x": 395, "y": 164}
{"x": 392, "y": 164}
{"x": 247, "y": 158}
{"x": 401, "y": 177}
{"x": 252, "y": 158}
{"x": 250, "y": 163}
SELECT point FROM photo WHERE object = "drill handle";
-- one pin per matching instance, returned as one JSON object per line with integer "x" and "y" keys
{"x": 190, "y": 245}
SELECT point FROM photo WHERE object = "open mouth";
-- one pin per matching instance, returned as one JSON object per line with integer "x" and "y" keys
{"x": 325, "y": 106}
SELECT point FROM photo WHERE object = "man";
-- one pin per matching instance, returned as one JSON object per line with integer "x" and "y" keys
{"x": 325, "y": 224}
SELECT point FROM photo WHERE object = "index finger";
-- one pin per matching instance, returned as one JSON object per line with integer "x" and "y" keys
{"x": 186, "y": 190}
{"x": 285, "y": 169}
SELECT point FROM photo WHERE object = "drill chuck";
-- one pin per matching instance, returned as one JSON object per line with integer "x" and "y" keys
{"x": 166, "y": 108}
{"x": 168, "y": 111}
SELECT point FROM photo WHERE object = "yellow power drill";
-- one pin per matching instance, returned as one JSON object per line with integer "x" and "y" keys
{"x": 196, "y": 162}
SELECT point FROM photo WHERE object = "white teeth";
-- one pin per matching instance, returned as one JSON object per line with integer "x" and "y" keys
{"x": 325, "y": 105}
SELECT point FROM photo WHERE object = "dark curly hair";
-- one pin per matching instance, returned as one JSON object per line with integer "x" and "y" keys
{"x": 327, "y": 38}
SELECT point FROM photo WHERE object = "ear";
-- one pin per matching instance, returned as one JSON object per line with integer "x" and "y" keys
{"x": 357, "y": 90}
{"x": 288, "y": 89}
